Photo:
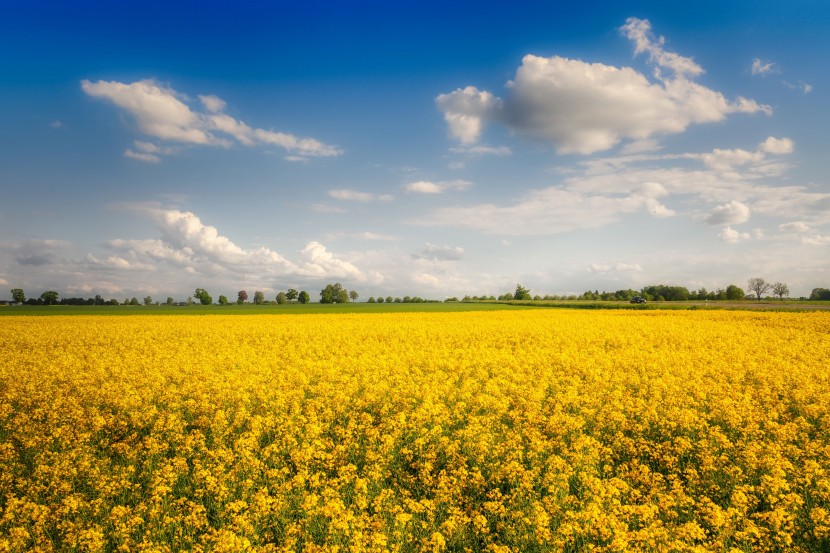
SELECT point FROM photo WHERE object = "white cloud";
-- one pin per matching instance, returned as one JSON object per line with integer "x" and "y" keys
{"x": 465, "y": 111}
{"x": 732, "y": 213}
{"x": 325, "y": 208}
{"x": 440, "y": 253}
{"x": 816, "y": 240}
{"x": 795, "y": 226}
{"x": 186, "y": 243}
{"x": 56, "y": 124}
{"x": 373, "y": 236}
{"x": 639, "y": 32}
{"x": 774, "y": 145}
{"x": 763, "y": 68}
{"x": 141, "y": 156}
{"x": 356, "y": 196}
{"x": 163, "y": 113}
{"x": 481, "y": 150}
{"x": 321, "y": 263}
{"x": 619, "y": 267}
{"x": 553, "y": 210}
{"x": 429, "y": 187}
{"x": 212, "y": 103}
{"x": 728, "y": 234}
{"x": 590, "y": 107}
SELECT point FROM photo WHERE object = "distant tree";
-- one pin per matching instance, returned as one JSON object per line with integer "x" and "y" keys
{"x": 148, "y": 300}
{"x": 522, "y": 293}
{"x": 190, "y": 300}
{"x": 49, "y": 297}
{"x": 397, "y": 300}
{"x": 380, "y": 299}
{"x": 259, "y": 297}
{"x": 303, "y": 297}
{"x": 780, "y": 289}
{"x": 134, "y": 301}
{"x": 407, "y": 299}
{"x": 353, "y": 295}
{"x": 223, "y": 300}
{"x": 170, "y": 301}
{"x": 820, "y": 294}
{"x": 113, "y": 301}
{"x": 334, "y": 293}
{"x": 291, "y": 294}
{"x": 282, "y": 298}
{"x": 99, "y": 300}
{"x": 371, "y": 300}
{"x": 202, "y": 295}
{"x": 18, "y": 296}
{"x": 734, "y": 292}
{"x": 389, "y": 299}
{"x": 759, "y": 286}
{"x": 242, "y": 297}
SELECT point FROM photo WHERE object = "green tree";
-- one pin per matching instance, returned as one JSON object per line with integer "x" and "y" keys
{"x": 353, "y": 295}
{"x": 291, "y": 294}
{"x": 820, "y": 294}
{"x": 303, "y": 298}
{"x": 282, "y": 298}
{"x": 223, "y": 300}
{"x": 202, "y": 295}
{"x": 113, "y": 301}
{"x": 170, "y": 300}
{"x": 242, "y": 297}
{"x": 758, "y": 286}
{"x": 18, "y": 296}
{"x": 49, "y": 297}
{"x": 780, "y": 289}
{"x": 134, "y": 301}
{"x": 148, "y": 300}
{"x": 734, "y": 292}
{"x": 380, "y": 299}
{"x": 259, "y": 297}
{"x": 389, "y": 299}
{"x": 334, "y": 293}
{"x": 522, "y": 293}
{"x": 371, "y": 300}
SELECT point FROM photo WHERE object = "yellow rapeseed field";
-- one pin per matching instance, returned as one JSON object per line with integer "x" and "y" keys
{"x": 532, "y": 430}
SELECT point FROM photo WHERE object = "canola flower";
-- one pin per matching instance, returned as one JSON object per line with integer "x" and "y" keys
{"x": 502, "y": 431}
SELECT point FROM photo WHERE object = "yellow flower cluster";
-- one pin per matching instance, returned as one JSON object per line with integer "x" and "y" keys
{"x": 504, "y": 431}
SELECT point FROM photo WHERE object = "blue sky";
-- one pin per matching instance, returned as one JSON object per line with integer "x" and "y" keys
{"x": 412, "y": 148}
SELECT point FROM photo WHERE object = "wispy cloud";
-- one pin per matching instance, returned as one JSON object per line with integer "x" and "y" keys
{"x": 357, "y": 196}
{"x": 763, "y": 68}
{"x": 430, "y": 187}
{"x": 165, "y": 114}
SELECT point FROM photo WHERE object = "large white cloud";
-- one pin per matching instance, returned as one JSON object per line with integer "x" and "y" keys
{"x": 589, "y": 107}
{"x": 731, "y": 213}
{"x": 163, "y": 113}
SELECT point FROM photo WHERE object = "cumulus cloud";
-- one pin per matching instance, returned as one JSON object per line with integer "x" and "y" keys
{"x": 430, "y": 187}
{"x": 774, "y": 145}
{"x": 465, "y": 111}
{"x": 440, "y": 253}
{"x": 356, "y": 196}
{"x": 590, "y": 107}
{"x": 763, "y": 68}
{"x": 728, "y": 234}
{"x": 189, "y": 244}
{"x": 731, "y": 213}
{"x": 163, "y": 113}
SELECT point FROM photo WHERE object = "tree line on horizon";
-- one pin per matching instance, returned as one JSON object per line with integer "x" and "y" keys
{"x": 335, "y": 293}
